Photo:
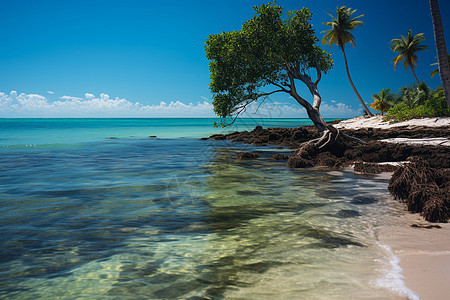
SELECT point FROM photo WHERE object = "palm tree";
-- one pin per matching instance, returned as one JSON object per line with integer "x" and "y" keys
{"x": 435, "y": 71}
{"x": 408, "y": 47}
{"x": 340, "y": 34}
{"x": 413, "y": 95}
{"x": 444, "y": 65}
{"x": 383, "y": 100}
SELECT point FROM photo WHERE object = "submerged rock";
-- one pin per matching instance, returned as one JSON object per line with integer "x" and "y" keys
{"x": 279, "y": 156}
{"x": 247, "y": 155}
{"x": 363, "y": 200}
{"x": 347, "y": 213}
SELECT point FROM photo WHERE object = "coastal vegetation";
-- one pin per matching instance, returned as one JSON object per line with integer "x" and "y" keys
{"x": 269, "y": 55}
{"x": 265, "y": 57}
{"x": 340, "y": 34}
{"x": 383, "y": 101}
{"x": 416, "y": 101}
{"x": 408, "y": 46}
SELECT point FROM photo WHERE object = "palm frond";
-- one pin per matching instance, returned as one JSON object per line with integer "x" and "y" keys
{"x": 408, "y": 46}
{"x": 341, "y": 25}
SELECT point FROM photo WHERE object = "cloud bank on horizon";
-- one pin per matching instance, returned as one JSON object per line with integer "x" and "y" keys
{"x": 14, "y": 105}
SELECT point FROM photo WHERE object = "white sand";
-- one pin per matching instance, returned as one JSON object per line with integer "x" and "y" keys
{"x": 425, "y": 141}
{"x": 377, "y": 122}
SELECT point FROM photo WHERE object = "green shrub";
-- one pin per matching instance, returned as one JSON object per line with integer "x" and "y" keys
{"x": 418, "y": 102}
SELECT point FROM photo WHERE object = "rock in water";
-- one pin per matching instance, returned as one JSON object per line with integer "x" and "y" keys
{"x": 363, "y": 200}
{"x": 247, "y": 155}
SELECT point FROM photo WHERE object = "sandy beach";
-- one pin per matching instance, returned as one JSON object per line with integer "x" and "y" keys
{"x": 422, "y": 247}
{"x": 377, "y": 122}
{"x": 424, "y": 254}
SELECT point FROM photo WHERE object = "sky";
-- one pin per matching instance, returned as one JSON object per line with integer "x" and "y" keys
{"x": 133, "y": 58}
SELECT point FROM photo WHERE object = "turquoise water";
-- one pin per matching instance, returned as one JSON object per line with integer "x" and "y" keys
{"x": 88, "y": 216}
{"x": 31, "y": 132}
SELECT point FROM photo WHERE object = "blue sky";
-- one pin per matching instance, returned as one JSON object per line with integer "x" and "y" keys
{"x": 146, "y": 58}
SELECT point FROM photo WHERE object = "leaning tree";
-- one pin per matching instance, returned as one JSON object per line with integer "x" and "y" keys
{"x": 269, "y": 55}
{"x": 444, "y": 65}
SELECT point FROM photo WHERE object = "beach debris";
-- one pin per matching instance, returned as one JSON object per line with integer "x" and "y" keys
{"x": 374, "y": 168}
{"x": 425, "y": 190}
{"x": 426, "y": 226}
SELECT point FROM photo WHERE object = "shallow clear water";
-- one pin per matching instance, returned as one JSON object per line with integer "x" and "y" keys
{"x": 150, "y": 218}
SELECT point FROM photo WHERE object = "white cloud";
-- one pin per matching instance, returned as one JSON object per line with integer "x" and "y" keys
{"x": 50, "y": 92}
{"x": 34, "y": 105}
{"x": 69, "y": 98}
{"x": 274, "y": 109}
{"x": 89, "y": 96}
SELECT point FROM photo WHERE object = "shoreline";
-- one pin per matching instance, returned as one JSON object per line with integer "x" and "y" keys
{"x": 424, "y": 255}
{"x": 423, "y": 250}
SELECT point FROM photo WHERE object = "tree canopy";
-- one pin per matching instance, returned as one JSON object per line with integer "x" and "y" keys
{"x": 264, "y": 57}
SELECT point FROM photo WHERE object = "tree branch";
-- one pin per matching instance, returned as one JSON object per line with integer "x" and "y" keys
{"x": 319, "y": 74}
{"x": 273, "y": 92}
{"x": 278, "y": 85}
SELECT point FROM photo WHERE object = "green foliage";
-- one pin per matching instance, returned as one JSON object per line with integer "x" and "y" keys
{"x": 408, "y": 47}
{"x": 414, "y": 95}
{"x": 383, "y": 100}
{"x": 418, "y": 101}
{"x": 341, "y": 25}
{"x": 244, "y": 64}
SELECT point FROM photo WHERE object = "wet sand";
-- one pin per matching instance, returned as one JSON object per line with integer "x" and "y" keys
{"x": 424, "y": 255}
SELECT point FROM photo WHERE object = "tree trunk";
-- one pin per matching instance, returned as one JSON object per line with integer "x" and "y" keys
{"x": 317, "y": 119}
{"x": 313, "y": 113}
{"x": 444, "y": 68}
{"x": 353, "y": 86}
{"x": 414, "y": 73}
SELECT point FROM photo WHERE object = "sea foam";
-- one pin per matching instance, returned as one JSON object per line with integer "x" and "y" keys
{"x": 392, "y": 278}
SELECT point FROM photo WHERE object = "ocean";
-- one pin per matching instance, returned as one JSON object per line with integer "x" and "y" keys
{"x": 144, "y": 209}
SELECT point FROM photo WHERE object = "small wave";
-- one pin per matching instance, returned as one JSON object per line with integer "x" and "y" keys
{"x": 393, "y": 278}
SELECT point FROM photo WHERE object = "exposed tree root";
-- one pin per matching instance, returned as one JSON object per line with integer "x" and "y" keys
{"x": 333, "y": 143}
{"x": 330, "y": 136}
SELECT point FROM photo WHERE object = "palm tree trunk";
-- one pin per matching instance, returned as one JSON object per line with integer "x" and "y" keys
{"x": 353, "y": 86}
{"x": 414, "y": 73}
{"x": 444, "y": 68}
